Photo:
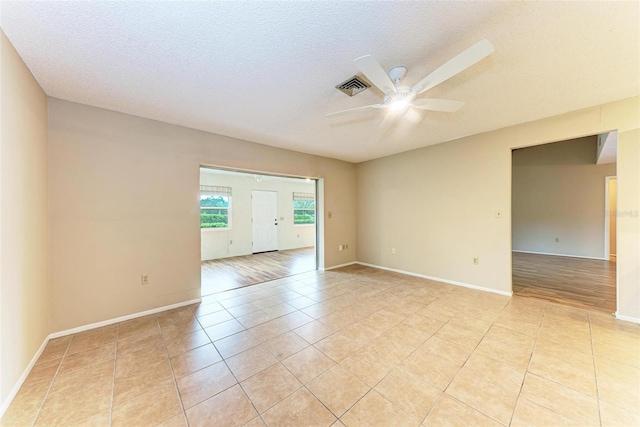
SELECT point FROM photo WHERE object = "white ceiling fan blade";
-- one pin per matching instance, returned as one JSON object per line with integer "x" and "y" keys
{"x": 444, "y": 105}
{"x": 375, "y": 73}
{"x": 456, "y": 65}
{"x": 366, "y": 107}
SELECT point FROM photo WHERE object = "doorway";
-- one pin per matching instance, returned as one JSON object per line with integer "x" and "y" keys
{"x": 561, "y": 228}
{"x": 264, "y": 221}
{"x": 252, "y": 229}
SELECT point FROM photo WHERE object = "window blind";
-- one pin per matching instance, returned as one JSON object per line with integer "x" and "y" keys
{"x": 304, "y": 196}
{"x": 211, "y": 190}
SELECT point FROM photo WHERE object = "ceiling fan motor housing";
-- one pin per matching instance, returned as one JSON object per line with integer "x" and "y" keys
{"x": 396, "y": 74}
{"x": 402, "y": 93}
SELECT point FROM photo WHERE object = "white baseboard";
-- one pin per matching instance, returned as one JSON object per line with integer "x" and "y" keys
{"x": 21, "y": 380}
{"x": 438, "y": 279}
{"x": 627, "y": 318}
{"x": 333, "y": 267}
{"x": 565, "y": 255}
{"x": 25, "y": 374}
{"x": 120, "y": 319}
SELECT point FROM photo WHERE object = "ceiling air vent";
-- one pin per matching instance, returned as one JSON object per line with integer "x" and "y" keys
{"x": 354, "y": 85}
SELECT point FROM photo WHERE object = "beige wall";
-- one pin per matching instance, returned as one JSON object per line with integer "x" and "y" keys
{"x": 612, "y": 213}
{"x": 216, "y": 244}
{"x": 109, "y": 170}
{"x": 628, "y": 223}
{"x": 558, "y": 192}
{"x": 437, "y": 205}
{"x": 24, "y": 287}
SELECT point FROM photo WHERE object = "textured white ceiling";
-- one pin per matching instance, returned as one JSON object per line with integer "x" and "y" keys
{"x": 266, "y": 72}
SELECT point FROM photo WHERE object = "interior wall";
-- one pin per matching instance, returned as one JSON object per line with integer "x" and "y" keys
{"x": 124, "y": 202}
{"x": 628, "y": 224}
{"x": 612, "y": 213}
{"x": 558, "y": 199}
{"x": 437, "y": 205}
{"x": 24, "y": 283}
{"x": 237, "y": 241}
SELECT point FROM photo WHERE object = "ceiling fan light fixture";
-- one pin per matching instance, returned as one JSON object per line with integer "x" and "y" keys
{"x": 399, "y": 105}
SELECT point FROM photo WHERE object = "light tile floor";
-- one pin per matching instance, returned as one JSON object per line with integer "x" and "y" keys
{"x": 354, "y": 347}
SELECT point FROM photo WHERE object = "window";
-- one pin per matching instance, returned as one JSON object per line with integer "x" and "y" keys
{"x": 215, "y": 205}
{"x": 304, "y": 208}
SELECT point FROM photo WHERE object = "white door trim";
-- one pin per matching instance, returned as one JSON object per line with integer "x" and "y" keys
{"x": 607, "y": 217}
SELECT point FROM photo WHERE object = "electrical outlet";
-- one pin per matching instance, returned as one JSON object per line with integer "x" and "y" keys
{"x": 144, "y": 279}
{"x": 557, "y": 240}
{"x": 393, "y": 250}
{"x": 231, "y": 242}
{"x": 476, "y": 260}
{"x": 346, "y": 246}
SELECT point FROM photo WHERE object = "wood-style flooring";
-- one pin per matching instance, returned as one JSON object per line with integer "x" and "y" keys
{"x": 236, "y": 272}
{"x": 578, "y": 282}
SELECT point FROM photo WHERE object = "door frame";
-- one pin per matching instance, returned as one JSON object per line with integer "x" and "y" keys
{"x": 607, "y": 218}
{"x": 319, "y": 185}
{"x": 511, "y": 149}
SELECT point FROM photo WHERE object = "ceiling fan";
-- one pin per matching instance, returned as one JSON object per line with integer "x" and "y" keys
{"x": 399, "y": 98}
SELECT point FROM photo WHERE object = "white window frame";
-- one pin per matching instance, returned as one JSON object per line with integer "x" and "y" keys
{"x": 210, "y": 190}
{"x": 304, "y": 196}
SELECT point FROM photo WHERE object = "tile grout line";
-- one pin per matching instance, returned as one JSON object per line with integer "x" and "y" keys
{"x": 535, "y": 343}
{"x": 243, "y": 391}
{"x": 396, "y": 365}
{"x": 175, "y": 381}
{"x": 493, "y": 323}
{"x": 113, "y": 383}
{"x": 409, "y": 355}
{"x": 286, "y": 369}
{"x": 371, "y": 388}
{"x": 558, "y": 383}
{"x": 223, "y": 360}
{"x": 445, "y": 389}
{"x": 279, "y": 362}
{"x": 304, "y": 386}
{"x": 52, "y": 381}
{"x": 595, "y": 372}
{"x": 460, "y": 368}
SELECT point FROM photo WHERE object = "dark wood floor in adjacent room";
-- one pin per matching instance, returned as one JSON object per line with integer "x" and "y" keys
{"x": 578, "y": 282}
{"x": 236, "y": 272}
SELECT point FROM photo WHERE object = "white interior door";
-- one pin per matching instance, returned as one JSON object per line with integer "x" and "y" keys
{"x": 264, "y": 208}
